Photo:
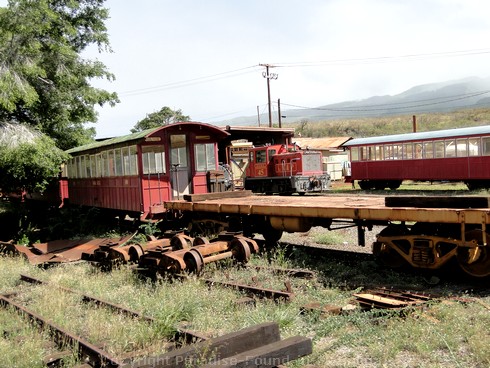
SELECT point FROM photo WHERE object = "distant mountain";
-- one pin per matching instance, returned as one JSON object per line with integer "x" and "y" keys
{"x": 472, "y": 92}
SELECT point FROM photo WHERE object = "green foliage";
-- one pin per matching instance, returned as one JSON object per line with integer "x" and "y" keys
{"x": 329, "y": 238}
{"x": 160, "y": 118}
{"x": 29, "y": 165}
{"x": 44, "y": 81}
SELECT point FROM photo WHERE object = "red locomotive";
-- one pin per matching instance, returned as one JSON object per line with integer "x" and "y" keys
{"x": 284, "y": 170}
{"x": 446, "y": 155}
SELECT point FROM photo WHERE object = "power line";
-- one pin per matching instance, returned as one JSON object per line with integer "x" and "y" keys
{"x": 383, "y": 59}
{"x": 190, "y": 82}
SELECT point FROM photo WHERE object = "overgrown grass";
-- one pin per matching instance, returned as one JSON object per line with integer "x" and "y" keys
{"x": 445, "y": 333}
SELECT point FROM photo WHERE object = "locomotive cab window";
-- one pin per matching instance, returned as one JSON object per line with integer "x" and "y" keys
{"x": 260, "y": 156}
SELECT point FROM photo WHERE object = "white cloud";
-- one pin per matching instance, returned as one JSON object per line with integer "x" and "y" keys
{"x": 159, "y": 42}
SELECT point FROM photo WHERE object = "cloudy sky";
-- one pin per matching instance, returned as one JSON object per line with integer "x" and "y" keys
{"x": 203, "y": 56}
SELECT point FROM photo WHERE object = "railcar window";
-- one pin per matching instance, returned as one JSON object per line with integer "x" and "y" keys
{"x": 388, "y": 151}
{"x": 111, "y": 163}
{"x": 153, "y": 159}
{"x": 98, "y": 158}
{"x": 474, "y": 147}
{"x": 64, "y": 170}
{"x": 378, "y": 152}
{"x": 86, "y": 172}
{"x": 397, "y": 152}
{"x": 408, "y": 151}
{"x": 104, "y": 171}
{"x": 205, "y": 157}
{"x": 362, "y": 154}
{"x": 450, "y": 148}
{"x": 439, "y": 149}
{"x": 417, "y": 150}
{"x": 371, "y": 156}
{"x": 133, "y": 161}
{"x": 462, "y": 147}
{"x": 118, "y": 162}
{"x": 354, "y": 154}
{"x": 93, "y": 166}
{"x": 72, "y": 168}
{"x": 428, "y": 149}
{"x": 125, "y": 160}
{"x": 486, "y": 146}
{"x": 178, "y": 149}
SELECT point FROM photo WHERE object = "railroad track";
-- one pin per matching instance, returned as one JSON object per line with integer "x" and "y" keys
{"x": 250, "y": 346}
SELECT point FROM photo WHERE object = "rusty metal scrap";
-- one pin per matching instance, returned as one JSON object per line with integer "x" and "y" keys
{"x": 390, "y": 299}
{"x": 191, "y": 255}
{"x": 59, "y": 251}
{"x": 255, "y": 290}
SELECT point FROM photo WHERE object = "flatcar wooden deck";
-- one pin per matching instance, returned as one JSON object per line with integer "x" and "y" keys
{"x": 354, "y": 207}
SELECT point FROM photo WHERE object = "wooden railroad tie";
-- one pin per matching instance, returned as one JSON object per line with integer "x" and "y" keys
{"x": 259, "y": 345}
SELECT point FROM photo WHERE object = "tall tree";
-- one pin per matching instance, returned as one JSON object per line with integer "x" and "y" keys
{"x": 163, "y": 117}
{"x": 44, "y": 81}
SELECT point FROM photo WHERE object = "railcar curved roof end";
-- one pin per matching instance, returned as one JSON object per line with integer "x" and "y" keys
{"x": 217, "y": 132}
{"x": 436, "y": 134}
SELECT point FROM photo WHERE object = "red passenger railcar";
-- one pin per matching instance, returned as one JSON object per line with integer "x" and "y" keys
{"x": 137, "y": 173}
{"x": 446, "y": 155}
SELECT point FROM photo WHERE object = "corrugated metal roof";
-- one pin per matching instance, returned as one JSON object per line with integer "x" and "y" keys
{"x": 321, "y": 143}
{"x": 113, "y": 141}
{"x": 484, "y": 129}
{"x": 144, "y": 133}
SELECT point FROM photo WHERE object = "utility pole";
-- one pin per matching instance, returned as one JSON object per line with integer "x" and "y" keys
{"x": 258, "y": 115}
{"x": 269, "y": 76}
{"x": 279, "y": 112}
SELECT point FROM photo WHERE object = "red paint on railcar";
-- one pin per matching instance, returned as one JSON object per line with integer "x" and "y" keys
{"x": 461, "y": 154}
{"x": 137, "y": 173}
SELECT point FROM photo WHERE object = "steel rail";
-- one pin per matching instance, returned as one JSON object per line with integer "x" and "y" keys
{"x": 181, "y": 333}
{"x": 88, "y": 352}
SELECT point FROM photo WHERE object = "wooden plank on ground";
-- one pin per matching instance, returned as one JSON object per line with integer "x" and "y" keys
{"x": 438, "y": 201}
{"x": 217, "y": 195}
{"x": 216, "y": 348}
{"x": 270, "y": 355}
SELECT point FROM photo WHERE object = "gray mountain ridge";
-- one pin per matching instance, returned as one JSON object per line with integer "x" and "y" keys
{"x": 471, "y": 92}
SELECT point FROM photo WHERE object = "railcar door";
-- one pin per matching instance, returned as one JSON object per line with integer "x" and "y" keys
{"x": 179, "y": 165}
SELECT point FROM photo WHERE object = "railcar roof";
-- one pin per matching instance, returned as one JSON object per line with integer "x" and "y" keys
{"x": 447, "y": 133}
{"x": 139, "y": 136}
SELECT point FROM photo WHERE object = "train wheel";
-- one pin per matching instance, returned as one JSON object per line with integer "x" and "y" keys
{"x": 475, "y": 261}
{"x": 241, "y": 250}
{"x": 384, "y": 253}
{"x": 200, "y": 240}
{"x": 365, "y": 184}
{"x": 194, "y": 261}
{"x": 394, "y": 184}
{"x": 181, "y": 241}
